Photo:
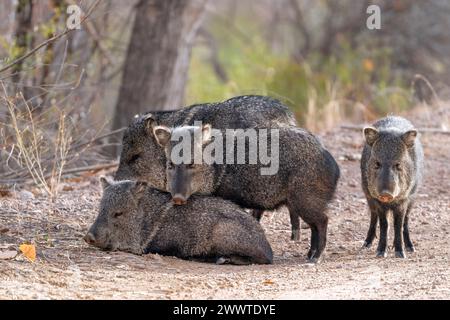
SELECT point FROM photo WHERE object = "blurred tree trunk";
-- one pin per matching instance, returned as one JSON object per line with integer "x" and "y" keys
{"x": 157, "y": 61}
{"x": 23, "y": 34}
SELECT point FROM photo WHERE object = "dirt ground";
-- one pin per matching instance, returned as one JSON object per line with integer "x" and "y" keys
{"x": 67, "y": 268}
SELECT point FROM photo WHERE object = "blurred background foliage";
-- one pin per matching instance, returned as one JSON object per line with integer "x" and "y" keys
{"x": 357, "y": 73}
{"x": 316, "y": 56}
{"x": 130, "y": 57}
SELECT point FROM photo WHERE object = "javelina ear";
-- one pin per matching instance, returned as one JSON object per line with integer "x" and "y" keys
{"x": 150, "y": 122}
{"x": 409, "y": 138}
{"x": 162, "y": 135}
{"x": 139, "y": 188}
{"x": 105, "y": 183}
{"x": 370, "y": 134}
{"x": 206, "y": 133}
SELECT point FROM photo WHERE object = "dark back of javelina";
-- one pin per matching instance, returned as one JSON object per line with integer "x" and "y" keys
{"x": 142, "y": 159}
{"x": 391, "y": 170}
{"x": 136, "y": 218}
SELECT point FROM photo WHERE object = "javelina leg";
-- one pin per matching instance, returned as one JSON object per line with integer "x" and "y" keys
{"x": 318, "y": 238}
{"x": 382, "y": 244}
{"x": 398, "y": 232}
{"x": 295, "y": 225}
{"x": 372, "y": 229}
{"x": 408, "y": 243}
{"x": 257, "y": 214}
{"x": 322, "y": 239}
{"x": 314, "y": 242}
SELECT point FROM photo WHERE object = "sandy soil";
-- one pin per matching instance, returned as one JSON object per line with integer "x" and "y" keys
{"x": 68, "y": 268}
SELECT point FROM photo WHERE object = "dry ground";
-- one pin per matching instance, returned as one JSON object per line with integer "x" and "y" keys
{"x": 67, "y": 268}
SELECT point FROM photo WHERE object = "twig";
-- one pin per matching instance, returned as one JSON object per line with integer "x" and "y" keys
{"x": 96, "y": 167}
{"x": 97, "y": 138}
{"x": 48, "y": 41}
{"x": 424, "y": 130}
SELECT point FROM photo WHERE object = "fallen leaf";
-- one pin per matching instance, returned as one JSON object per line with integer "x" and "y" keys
{"x": 268, "y": 281}
{"x": 29, "y": 251}
{"x": 368, "y": 65}
{"x": 74, "y": 179}
{"x": 5, "y": 193}
{"x": 7, "y": 255}
{"x": 67, "y": 188}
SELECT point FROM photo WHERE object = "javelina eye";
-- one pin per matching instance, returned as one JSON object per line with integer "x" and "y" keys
{"x": 398, "y": 166}
{"x": 170, "y": 165}
{"x": 118, "y": 214}
{"x": 377, "y": 165}
{"x": 134, "y": 158}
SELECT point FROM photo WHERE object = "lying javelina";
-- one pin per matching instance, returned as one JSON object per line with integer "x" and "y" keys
{"x": 139, "y": 219}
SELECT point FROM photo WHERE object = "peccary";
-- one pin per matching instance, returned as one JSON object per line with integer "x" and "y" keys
{"x": 136, "y": 218}
{"x": 391, "y": 170}
{"x": 142, "y": 159}
{"x": 305, "y": 182}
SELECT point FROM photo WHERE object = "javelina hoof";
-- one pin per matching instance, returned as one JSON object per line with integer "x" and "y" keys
{"x": 312, "y": 256}
{"x": 381, "y": 254}
{"x": 314, "y": 260}
{"x": 400, "y": 254}
{"x": 366, "y": 245}
{"x": 295, "y": 235}
{"x": 410, "y": 249}
{"x": 222, "y": 260}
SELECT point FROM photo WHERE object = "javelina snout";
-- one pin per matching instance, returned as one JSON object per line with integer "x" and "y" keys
{"x": 98, "y": 238}
{"x": 89, "y": 238}
{"x": 179, "y": 180}
{"x": 386, "y": 181}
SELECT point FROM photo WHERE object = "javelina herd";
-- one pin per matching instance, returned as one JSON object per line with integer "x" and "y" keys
{"x": 185, "y": 178}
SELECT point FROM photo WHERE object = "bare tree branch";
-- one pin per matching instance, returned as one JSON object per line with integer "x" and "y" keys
{"x": 48, "y": 41}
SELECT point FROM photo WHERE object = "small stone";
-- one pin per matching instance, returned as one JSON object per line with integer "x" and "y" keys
{"x": 26, "y": 195}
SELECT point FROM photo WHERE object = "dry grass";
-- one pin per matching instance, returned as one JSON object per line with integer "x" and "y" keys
{"x": 30, "y": 145}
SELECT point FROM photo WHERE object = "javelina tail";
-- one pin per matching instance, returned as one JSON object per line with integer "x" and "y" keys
{"x": 333, "y": 168}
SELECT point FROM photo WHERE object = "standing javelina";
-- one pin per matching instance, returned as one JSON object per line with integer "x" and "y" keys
{"x": 305, "y": 181}
{"x": 391, "y": 169}
{"x": 142, "y": 159}
{"x": 139, "y": 219}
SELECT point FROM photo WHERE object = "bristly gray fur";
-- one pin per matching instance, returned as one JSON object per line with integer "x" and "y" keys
{"x": 136, "y": 218}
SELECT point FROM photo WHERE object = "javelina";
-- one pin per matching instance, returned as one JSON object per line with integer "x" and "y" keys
{"x": 136, "y": 218}
{"x": 142, "y": 159}
{"x": 305, "y": 180}
{"x": 391, "y": 169}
